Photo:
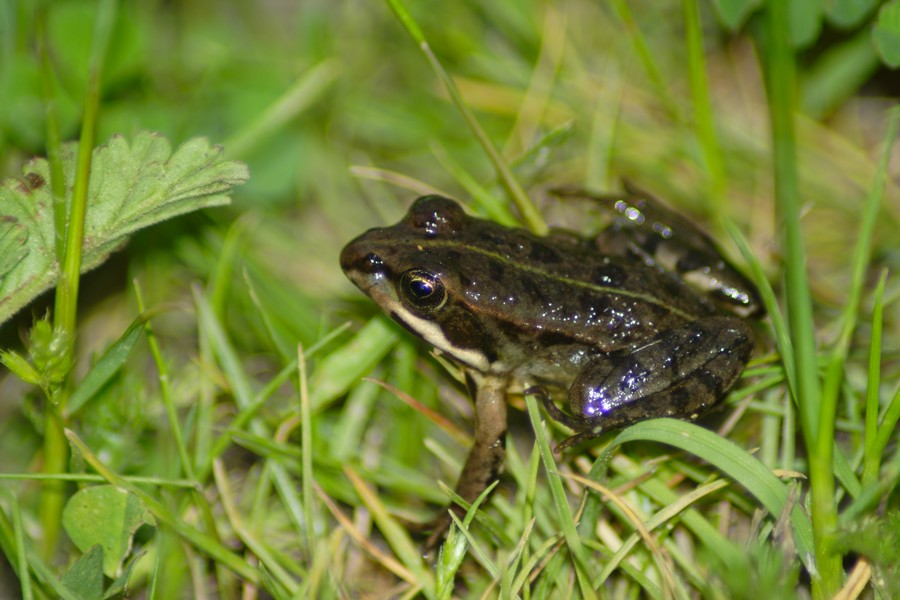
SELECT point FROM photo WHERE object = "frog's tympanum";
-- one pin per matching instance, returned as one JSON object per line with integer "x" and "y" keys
{"x": 644, "y": 320}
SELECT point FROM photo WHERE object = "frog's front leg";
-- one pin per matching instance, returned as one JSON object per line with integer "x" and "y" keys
{"x": 681, "y": 373}
{"x": 485, "y": 460}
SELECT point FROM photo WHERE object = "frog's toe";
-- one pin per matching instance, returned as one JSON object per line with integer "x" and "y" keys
{"x": 552, "y": 409}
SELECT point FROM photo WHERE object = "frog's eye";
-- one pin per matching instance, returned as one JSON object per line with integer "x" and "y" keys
{"x": 423, "y": 290}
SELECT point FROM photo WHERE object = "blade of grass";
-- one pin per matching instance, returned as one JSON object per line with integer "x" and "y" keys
{"x": 872, "y": 457}
{"x": 511, "y": 569}
{"x": 566, "y": 521}
{"x": 888, "y": 423}
{"x": 781, "y": 81}
{"x": 382, "y": 558}
{"x": 108, "y": 364}
{"x": 664, "y": 567}
{"x": 307, "y": 90}
{"x": 21, "y": 555}
{"x": 661, "y": 517}
{"x": 779, "y": 325}
{"x": 165, "y": 390}
{"x": 343, "y": 367}
{"x": 530, "y": 214}
{"x": 528, "y": 118}
{"x": 730, "y": 459}
{"x": 481, "y": 197}
{"x": 347, "y": 438}
{"x": 861, "y": 258}
{"x": 453, "y": 551}
{"x": 620, "y": 7}
{"x": 243, "y": 416}
{"x": 704, "y": 126}
{"x": 394, "y": 178}
{"x": 46, "y": 579}
{"x": 247, "y": 536}
{"x": 873, "y": 494}
{"x": 396, "y": 537}
{"x": 434, "y": 416}
{"x": 306, "y": 452}
{"x": 241, "y": 389}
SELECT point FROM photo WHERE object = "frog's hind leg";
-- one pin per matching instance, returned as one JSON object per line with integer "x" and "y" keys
{"x": 681, "y": 373}
{"x": 568, "y": 420}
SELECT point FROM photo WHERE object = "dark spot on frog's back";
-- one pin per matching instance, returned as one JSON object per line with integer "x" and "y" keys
{"x": 712, "y": 382}
{"x": 497, "y": 270}
{"x": 488, "y": 238}
{"x": 528, "y": 287}
{"x": 543, "y": 338}
{"x": 542, "y": 253}
{"x": 680, "y": 398}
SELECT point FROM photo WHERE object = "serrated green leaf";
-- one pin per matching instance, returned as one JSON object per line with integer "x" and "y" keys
{"x": 85, "y": 577}
{"x": 108, "y": 516}
{"x": 133, "y": 185}
{"x": 886, "y": 33}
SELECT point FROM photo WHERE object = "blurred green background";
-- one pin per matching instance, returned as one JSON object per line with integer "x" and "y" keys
{"x": 328, "y": 103}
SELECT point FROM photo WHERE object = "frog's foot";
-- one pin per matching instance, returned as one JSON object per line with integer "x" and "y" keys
{"x": 579, "y": 437}
{"x": 560, "y": 417}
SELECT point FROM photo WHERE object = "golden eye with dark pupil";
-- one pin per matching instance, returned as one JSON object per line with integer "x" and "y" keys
{"x": 423, "y": 289}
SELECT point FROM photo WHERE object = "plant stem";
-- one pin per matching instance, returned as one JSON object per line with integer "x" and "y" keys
{"x": 66, "y": 304}
{"x": 52, "y": 492}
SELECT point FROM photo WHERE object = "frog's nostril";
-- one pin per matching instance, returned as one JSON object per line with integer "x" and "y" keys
{"x": 354, "y": 257}
{"x": 372, "y": 263}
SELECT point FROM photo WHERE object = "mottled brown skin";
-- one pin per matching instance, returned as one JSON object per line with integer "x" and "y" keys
{"x": 610, "y": 321}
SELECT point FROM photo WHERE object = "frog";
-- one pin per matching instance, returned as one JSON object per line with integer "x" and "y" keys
{"x": 643, "y": 319}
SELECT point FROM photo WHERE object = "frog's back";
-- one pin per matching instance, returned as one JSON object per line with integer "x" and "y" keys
{"x": 562, "y": 288}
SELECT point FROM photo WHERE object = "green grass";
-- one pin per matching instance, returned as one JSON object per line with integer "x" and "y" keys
{"x": 225, "y": 372}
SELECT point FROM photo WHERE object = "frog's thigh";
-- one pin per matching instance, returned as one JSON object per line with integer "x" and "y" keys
{"x": 486, "y": 456}
{"x": 680, "y": 373}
